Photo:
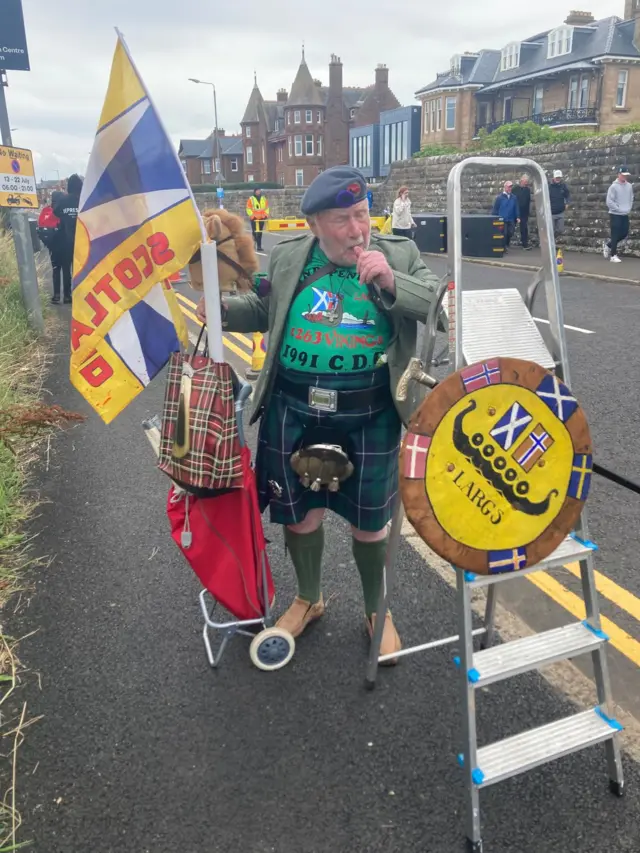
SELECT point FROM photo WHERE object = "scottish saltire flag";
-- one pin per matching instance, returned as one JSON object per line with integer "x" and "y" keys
{"x": 137, "y": 225}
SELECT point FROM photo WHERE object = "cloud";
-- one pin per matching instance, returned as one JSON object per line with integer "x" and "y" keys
{"x": 55, "y": 107}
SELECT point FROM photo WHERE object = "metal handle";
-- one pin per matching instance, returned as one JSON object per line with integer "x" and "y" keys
{"x": 415, "y": 370}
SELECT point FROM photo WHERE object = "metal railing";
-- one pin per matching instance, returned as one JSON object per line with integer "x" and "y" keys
{"x": 572, "y": 115}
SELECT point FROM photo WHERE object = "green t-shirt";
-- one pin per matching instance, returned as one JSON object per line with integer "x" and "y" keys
{"x": 333, "y": 325}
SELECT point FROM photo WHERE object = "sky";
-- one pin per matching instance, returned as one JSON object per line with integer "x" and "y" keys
{"x": 55, "y": 107}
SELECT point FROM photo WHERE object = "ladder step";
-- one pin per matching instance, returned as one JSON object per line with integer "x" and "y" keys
{"x": 504, "y": 661}
{"x": 514, "y": 755}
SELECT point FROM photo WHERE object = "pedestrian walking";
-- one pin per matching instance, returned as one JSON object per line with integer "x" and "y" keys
{"x": 402, "y": 223}
{"x": 522, "y": 192}
{"x": 506, "y": 207}
{"x": 66, "y": 209}
{"x": 51, "y": 237}
{"x": 560, "y": 197}
{"x": 620, "y": 203}
{"x": 258, "y": 213}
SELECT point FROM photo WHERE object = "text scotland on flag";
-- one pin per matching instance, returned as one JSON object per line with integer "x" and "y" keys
{"x": 137, "y": 225}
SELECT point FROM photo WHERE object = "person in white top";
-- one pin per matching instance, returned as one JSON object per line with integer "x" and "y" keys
{"x": 402, "y": 223}
{"x": 620, "y": 203}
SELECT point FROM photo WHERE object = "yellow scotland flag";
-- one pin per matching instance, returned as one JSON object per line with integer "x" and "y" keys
{"x": 137, "y": 225}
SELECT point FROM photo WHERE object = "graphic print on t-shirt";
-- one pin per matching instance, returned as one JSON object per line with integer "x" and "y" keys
{"x": 334, "y": 326}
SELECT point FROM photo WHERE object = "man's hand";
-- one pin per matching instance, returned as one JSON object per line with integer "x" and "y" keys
{"x": 373, "y": 267}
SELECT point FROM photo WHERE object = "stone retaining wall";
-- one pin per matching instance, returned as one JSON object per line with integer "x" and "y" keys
{"x": 589, "y": 166}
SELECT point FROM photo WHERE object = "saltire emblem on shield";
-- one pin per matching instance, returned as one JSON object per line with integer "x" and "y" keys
{"x": 533, "y": 448}
{"x": 137, "y": 226}
{"x": 481, "y": 375}
{"x": 511, "y": 426}
{"x": 509, "y": 560}
{"x": 580, "y": 480}
{"x": 416, "y": 450}
{"x": 557, "y": 397}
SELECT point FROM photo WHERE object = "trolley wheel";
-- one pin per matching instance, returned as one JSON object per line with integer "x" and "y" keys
{"x": 272, "y": 649}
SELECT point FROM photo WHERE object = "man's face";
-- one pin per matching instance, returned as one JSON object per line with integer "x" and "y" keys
{"x": 508, "y": 188}
{"x": 340, "y": 230}
{"x": 622, "y": 178}
{"x": 524, "y": 182}
{"x": 258, "y": 193}
{"x": 557, "y": 180}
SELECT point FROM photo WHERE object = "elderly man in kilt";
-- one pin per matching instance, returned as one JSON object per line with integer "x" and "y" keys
{"x": 341, "y": 308}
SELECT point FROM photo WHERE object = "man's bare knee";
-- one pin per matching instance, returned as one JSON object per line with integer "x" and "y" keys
{"x": 311, "y": 522}
{"x": 369, "y": 535}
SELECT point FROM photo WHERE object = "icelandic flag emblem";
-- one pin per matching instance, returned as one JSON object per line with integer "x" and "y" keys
{"x": 534, "y": 446}
{"x": 580, "y": 480}
{"x": 557, "y": 397}
{"x": 509, "y": 560}
{"x": 415, "y": 456}
{"x": 481, "y": 375}
{"x": 511, "y": 425}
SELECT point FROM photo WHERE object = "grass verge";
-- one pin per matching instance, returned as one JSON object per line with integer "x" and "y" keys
{"x": 22, "y": 363}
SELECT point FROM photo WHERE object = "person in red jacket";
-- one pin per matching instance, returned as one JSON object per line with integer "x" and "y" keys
{"x": 50, "y": 234}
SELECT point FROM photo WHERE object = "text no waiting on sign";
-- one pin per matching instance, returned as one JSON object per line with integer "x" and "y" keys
{"x": 17, "y": 178}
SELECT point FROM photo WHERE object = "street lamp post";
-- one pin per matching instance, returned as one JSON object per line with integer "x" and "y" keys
{"x": 216, "y": 146}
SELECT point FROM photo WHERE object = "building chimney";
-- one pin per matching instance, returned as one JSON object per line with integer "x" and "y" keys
{"x": 579, "y": 19}
{"x": 382, "y": 77}
{"x": 335, "y": 76}
{"x": 282, "y": 96}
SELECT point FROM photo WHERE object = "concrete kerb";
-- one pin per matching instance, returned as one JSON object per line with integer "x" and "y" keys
{"x": 530, "y": 268}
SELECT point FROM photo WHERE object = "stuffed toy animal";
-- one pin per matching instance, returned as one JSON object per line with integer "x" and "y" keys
{"x": 237, "y": 259}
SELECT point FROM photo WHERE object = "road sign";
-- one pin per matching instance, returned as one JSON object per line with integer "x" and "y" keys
{"x": 14, "y": 55}
{"x": 17, "y": 178}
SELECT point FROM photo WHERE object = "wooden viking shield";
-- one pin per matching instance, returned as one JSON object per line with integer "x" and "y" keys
{"x": 496, "y": 466}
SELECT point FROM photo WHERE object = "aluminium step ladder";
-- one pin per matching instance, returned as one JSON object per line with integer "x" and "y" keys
{"x": 500, "y": 323}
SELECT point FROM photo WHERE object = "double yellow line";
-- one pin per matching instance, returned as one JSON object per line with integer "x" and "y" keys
{"x": 627, "y": 645}
{"x": 231, "y": 345}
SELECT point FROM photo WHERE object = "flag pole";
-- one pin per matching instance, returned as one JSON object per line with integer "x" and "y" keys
{"x": 208, "y": 250}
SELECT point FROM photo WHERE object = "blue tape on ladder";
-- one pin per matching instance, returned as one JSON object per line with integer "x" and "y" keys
{"x": 586, "y": 542}
{"x": 477, "y": 776}
{"x": 457, "y": 661}
{"x": 469, "y": 577}
{"x": 461, "y": 759}
{"x": 596, "y": 631}
{"x": 615, "y": 725}
{"x": 473, "y": 675}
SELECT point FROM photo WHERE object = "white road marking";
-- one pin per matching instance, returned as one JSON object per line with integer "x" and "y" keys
{"x": 573, "y": 328}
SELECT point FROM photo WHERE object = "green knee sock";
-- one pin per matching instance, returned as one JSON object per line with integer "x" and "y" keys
{"x": 306, "y": 555}
{"x": 369, "y": 557}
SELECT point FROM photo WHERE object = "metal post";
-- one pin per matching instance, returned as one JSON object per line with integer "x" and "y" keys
{"x": 467, "y": 690}
{"x": 216, "y": 144}
{"x": 22, "y": 236}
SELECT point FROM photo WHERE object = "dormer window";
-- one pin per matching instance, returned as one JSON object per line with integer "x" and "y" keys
{"x": 560, "y": 42}
{"x": 510, "y": 56}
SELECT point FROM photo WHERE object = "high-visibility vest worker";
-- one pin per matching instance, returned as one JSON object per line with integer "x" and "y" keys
{"x": 257, "y": 211}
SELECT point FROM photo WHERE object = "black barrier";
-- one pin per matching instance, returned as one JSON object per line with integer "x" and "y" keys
{"x": 482, "y": 234}
{"x": 430, "y": 234}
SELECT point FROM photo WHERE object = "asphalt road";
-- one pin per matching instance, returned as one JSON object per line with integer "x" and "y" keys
{"x": 143, "y": 749}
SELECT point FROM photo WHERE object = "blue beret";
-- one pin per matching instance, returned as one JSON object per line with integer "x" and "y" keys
{"x": 340, "y": 186}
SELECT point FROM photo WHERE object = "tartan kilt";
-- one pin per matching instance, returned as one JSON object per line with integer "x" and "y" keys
{"x": 372, "y": 439}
